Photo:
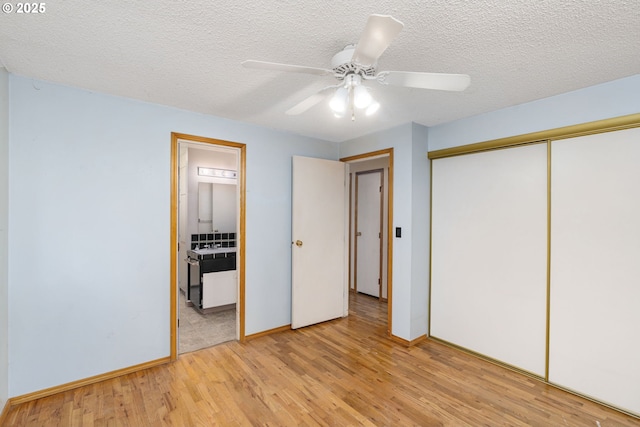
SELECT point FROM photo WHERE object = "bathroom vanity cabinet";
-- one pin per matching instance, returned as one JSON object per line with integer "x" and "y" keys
{"x": 212, "y": 277}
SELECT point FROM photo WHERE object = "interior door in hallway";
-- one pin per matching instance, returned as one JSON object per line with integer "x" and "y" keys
{"x": 319, "y": 253}
{"x": 368, "y": 246}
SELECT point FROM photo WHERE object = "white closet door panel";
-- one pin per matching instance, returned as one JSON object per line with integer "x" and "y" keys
{"x": 595, "y": 267}
{"x": 489, "y": 245}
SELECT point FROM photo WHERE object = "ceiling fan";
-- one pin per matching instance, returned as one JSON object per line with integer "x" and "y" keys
{"x": 356, "y": 64}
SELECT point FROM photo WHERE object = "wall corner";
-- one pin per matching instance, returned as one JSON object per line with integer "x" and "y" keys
{"x": 4, "y": 242}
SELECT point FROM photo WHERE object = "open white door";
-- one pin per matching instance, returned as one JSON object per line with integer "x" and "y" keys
{"x": 319, "y": 281}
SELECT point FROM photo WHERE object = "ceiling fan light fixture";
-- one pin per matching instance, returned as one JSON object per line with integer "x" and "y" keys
{"x": 338, "y": 103}
{"x": 361, "y": 97}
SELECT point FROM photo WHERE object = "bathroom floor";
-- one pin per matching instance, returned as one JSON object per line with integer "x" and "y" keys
{"x": 199, "y": 331}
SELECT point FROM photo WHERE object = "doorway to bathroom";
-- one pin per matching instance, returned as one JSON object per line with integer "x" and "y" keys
{"x": 207, "y": 237}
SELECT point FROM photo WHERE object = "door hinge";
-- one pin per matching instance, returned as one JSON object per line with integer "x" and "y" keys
{"x": 380, "y": 189}
{"x": 178, "y": 325}
{"x": 379, "y": 235}
{"x": 379, "y": 283}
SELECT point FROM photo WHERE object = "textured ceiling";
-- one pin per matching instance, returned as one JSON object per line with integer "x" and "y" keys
{"x": 187, "y": 54}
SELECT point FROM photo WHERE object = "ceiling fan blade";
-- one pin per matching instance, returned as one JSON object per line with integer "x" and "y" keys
{"x": 309, "y": 102}
{"x": 376, "y": 37}
{"x": 262, "y": 65}
{"x": 437, "y": 81}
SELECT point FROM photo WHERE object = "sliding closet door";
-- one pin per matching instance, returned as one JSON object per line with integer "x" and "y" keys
{"x": 489, "y": 254}
{"x": 595, "y": 267}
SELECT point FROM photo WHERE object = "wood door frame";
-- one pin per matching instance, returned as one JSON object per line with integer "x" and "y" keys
{"x": 380, "y": 230}
{"x": 371, "y": 155}
{"x": 175, "y": 167}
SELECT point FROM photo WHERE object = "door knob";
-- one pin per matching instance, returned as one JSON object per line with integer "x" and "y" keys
{"x": 299, "y": 243}
{"x": 358, "y": 234}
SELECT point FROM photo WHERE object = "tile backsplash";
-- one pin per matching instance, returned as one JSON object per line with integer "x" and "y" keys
{"x": 220, "y": 240}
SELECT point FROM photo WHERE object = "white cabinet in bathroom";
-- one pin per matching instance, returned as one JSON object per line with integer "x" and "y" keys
{"x": 219, "y": 288}
{"x": 213, "y": 278}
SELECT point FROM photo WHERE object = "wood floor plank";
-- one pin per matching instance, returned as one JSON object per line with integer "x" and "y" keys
{"x": 344, "y": 372}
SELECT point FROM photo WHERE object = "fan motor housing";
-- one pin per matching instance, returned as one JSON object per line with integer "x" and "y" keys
{"x": 342, "y": 65}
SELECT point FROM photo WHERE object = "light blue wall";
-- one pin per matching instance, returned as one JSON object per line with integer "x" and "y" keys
{"x": 89, "y": 209}
{"x": 410, "y": 167}
{"x": 612, "y": 99}
{"x": 420, "y": 218}
{"x": 4, "y": 222}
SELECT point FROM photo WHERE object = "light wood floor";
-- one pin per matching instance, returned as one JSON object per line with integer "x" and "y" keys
{"x": 339, "y": 373}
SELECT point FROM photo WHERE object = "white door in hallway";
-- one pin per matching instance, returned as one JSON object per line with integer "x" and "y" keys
{"x": 319, "y": 253}
{"x": 368, "y": 232}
